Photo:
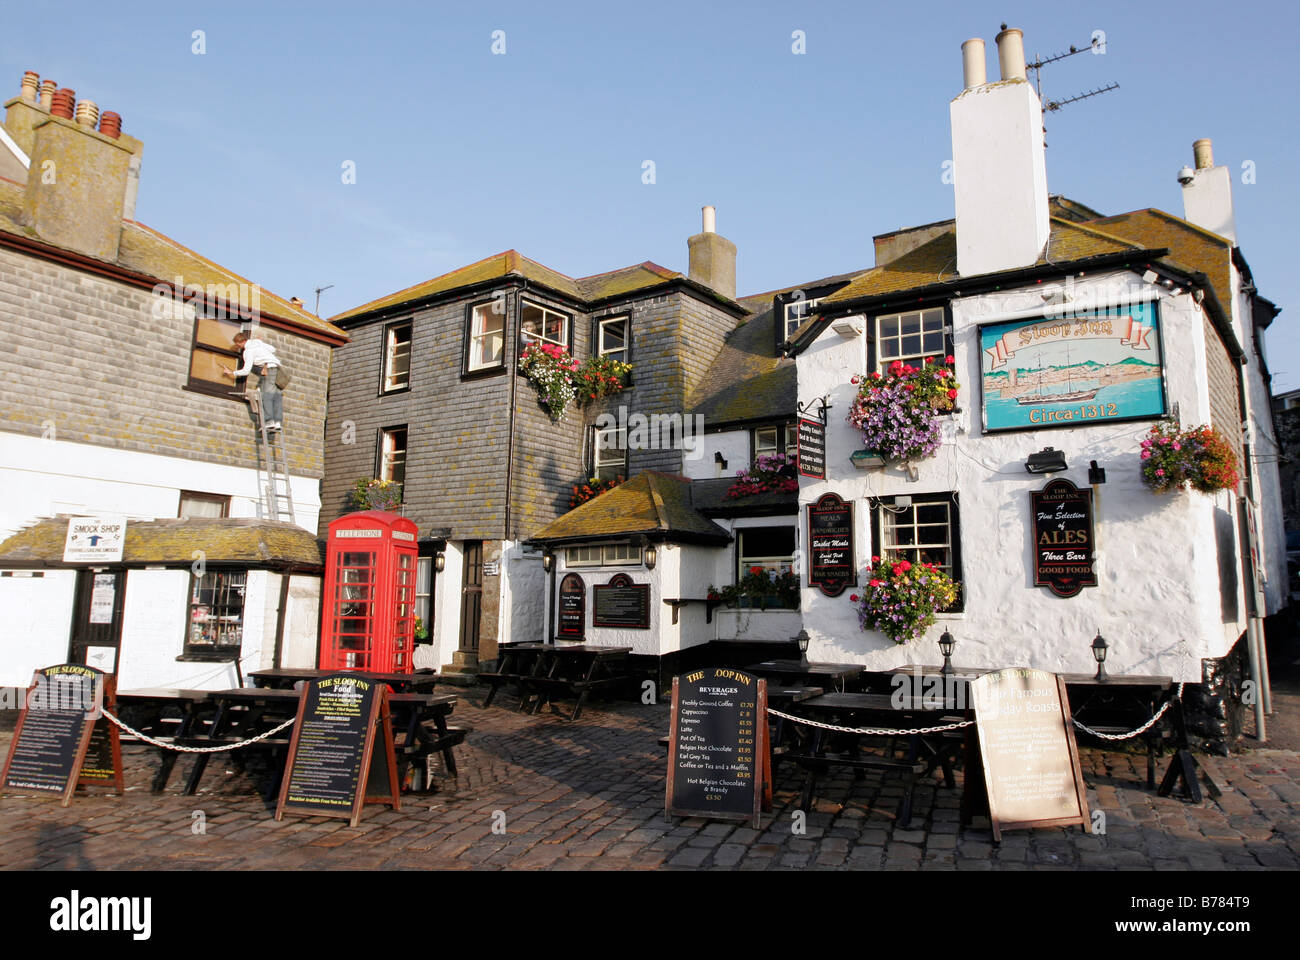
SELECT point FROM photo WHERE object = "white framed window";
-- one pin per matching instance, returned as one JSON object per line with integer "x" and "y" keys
{"x": 392, "y": 454}
{"x": 796, "y": 312}
{"x": 539, "y": 324}
{"x": 611, "y": 338}
{"x": 909, "y": 336}
{"x": 609, "y": 453}
{"x": 604, "y": 555}
{"x": 925, "y": 531}
{"x": 774, "y": 439}
{"x": 769, "y": 548}
{"x": 397, "y": 357}
{"x": 208, "y": 505}
{"x": 487, "y": 327}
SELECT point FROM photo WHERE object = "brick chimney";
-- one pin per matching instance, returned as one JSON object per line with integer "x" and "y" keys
{"x": 1000, "y": 167}
{"x": 713, "y": 257}
{"x": 81, "y": 182}
{"x": 1207, "y": 193}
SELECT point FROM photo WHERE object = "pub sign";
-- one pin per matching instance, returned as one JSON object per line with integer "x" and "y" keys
{"x": 573, "y": 607}
{"x": 830, "y": 545}
{"x": 1063, "y": 538}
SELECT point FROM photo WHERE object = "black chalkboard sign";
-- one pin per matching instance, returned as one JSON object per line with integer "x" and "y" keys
{"x": 332, "y": 756}
{"x": 1063, "y": 538}
{"x": 811, "y": 442}
{"x": 573, "y": 608}
{"x": 830, "y": 545}
{"x": 621, "y": 603}
{"x": 62, "y": 739}
{"x": 719, "y": 764}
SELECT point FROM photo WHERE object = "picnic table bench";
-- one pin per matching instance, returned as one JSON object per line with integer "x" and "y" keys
{"x": 286, "y": 678}
{"x": 542, "y": 671}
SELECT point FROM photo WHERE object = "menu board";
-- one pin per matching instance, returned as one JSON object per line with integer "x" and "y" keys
{"x": 332, "y": 752}
{"x": 1063, "y": 538}
{"x": 830, "y": 545}
{"x": 62, "y": 740}
{"x": 811, "y": 441}
{"x": 719, "y": 765}
{"x": 573, "y": 607}
{"x": 1027, "y": 751}
{"x": 621, "y": 603}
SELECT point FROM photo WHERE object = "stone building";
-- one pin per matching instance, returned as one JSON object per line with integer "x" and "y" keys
{"x": 114, "y": 336}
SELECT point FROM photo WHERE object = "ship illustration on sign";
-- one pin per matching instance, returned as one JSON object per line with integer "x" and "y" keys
{"x": 1062, "y": 372}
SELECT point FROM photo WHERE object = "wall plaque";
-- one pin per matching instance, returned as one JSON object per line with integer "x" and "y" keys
{"x": 1063, "y": 538}
{"x": 573, "y": 608}
{"x": 830, "y": 545}
{"x": 719, "y": 765}
{"x": 621, "y": 603}
{"x": 1027, "y": 753}
{"x": 811, "y": 442}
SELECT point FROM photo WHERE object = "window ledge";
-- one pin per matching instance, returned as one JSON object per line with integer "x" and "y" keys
{"x": 230, "y": 657}
{"x": 485, "y": 372}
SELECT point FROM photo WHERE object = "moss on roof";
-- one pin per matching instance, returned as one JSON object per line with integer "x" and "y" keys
{"x": 144, "y": 250}
{"x": 243, "y": 541}
{"x": 1191, "y": 248}
{"x": 514, "y": 264}
{"x": 745, "y": 380}
{"x": 651, "y": 504}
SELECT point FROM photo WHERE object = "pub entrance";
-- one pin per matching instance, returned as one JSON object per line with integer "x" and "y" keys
{"x": 471, "y": 603}
{"x": 96, "y": 635}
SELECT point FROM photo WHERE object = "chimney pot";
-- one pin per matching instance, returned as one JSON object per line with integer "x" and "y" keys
{"x": 110, "y": 124}
{"x": 64, "y": 102}
{"x": 1011, "y": 54}
{"x": 710, "y": 224}
{"x": 31, "y": 89}
{"x": 87, "y": 113}
{"x": 1203, "y": 151}
{"x": 47, "y": 93}
{"x": 973, "y": 63}
{"x": 296, "y": 301}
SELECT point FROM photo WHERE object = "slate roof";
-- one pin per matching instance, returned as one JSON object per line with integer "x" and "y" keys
{"x": 511, "y": 263}
{"x": 1191, "y": 248}
{"x": 745, "y": 381}
{"x": 710, "y": 498}
{"x": 144, "y": 250}
{"x": 242, "y": 541}
{"x": 651, "y": 504}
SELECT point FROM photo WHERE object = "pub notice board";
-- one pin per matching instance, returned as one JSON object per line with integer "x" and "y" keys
{"x": 831, "y": 565}
{"x": 1027, "y": 753}
{"x": 63, "y": 740}
{"x": 621, "y": 603}
{"x": 719, "y": 764}
{"x": 333, "y": 768}
{"x": 572, "y": 607}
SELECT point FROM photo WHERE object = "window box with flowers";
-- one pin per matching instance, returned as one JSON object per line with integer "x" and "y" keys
{"x": 560, "y": 380}
{"x": 376, "y": 494}
{"x": 759, "y": 589}
{"x": 1200, "y": 458}
{"x": 898, "y": 413}
{"x": 590, "y": 489}
{"x": 901, "y": 598}
{"x": 771, "y": 473}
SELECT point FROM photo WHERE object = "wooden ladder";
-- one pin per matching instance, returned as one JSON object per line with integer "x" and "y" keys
{"x": 276, "y": 498}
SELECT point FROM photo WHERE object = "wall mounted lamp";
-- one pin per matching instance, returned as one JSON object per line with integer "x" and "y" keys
{"x": 1047, "y": 460}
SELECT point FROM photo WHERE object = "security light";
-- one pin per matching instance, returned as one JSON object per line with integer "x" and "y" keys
{"x": 1047, "y": 460}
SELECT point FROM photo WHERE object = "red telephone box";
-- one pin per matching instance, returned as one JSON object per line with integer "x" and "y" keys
{"x": 369, "y": 608}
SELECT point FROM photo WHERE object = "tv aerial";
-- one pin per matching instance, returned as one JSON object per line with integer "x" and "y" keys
{"x": 1096, "y": 46}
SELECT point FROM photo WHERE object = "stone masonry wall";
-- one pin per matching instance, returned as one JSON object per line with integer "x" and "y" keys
{"x": 88, "y": 354}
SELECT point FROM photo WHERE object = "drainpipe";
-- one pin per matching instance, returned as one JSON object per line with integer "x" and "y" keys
{"x": 514, "y": 382}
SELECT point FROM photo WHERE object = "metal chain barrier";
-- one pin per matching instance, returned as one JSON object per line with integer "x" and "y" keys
{"x": 876, "y": 731}
{"x": 1137, "y": 732}
{"x": 163, "y": 745}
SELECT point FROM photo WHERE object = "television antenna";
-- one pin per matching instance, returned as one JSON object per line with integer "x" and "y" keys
{"x": 1098, "y": 44}
{"x": 319, "y": 291}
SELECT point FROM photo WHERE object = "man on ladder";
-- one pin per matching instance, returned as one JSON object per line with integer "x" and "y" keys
{"x": 268, "y": 408}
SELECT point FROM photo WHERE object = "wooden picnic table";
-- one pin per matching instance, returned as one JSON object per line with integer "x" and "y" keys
{"x": 286, "y": 677}
{"x": 420, "y": 728}
{"x": 164, "y": 714}
{"x": 834, "y": 676}
{"x": 540, "y": 671}
{"x": 877, "y": 710}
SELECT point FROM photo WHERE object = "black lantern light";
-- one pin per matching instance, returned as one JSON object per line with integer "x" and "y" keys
{"x": 946, "y": 646}
{"x": 1099, "y": 649}
{"x": 548, "y": 561}
{"x": 801, "y": 640}
{"x": 651, "y": 556}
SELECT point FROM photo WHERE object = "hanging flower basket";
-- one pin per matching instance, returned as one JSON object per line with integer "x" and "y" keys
{"x": 901, "y": 598}
{"x": 771, "y": 473}
{"x": 898, "y": 413}
{"x": 550, "y": 368}
{"x": 1200, "y": 457}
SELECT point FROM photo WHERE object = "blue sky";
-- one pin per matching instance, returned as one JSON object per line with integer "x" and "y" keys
{"x": 460, "y": 153}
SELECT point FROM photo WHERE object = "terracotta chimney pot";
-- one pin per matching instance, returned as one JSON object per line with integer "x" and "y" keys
{"x": 64, "y": 102}
{"x": 110, "y": 124}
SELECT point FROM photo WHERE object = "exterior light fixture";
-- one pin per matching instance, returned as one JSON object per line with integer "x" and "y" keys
{"x": 946, "y": 645}
{"x": 439, "y": 561}
{"x": 801, "y": 639}
{"x": 1096, "y": 474}
{"x": 866, "y": 459}
{"x": 848, "y": 328}
{"x": 1047, "y": 460}
{"x": 1099, "y": 649}
{"x": 651, "y": 556}
{"x": 548, "y": 561}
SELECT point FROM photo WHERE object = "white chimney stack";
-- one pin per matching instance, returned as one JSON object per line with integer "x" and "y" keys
{"x": 710, "y": 219}
{"x": 1207, "y": 193}
{"x": 1000, "y": 164}
{"x": 972, "y": 63}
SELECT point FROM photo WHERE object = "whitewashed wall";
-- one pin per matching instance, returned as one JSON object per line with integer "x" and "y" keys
{"x": 523, "y": 595}
{"x": 445, "y": 631}
{"x": 732, "y": 444}
{"x": 301, "y": 622}
{"x": 664, "y": 580}
{"x": 35, "y": 623}
{"x": 42, "y": 478}
{"x": 1157, "y": 602}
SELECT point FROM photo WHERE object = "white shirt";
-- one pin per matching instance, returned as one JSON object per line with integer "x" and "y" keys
{"x": 257, "y": 353}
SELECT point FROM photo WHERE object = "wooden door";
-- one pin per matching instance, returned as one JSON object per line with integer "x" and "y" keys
{"x": 96, "y": 635}
{"x": 471, "y": 596}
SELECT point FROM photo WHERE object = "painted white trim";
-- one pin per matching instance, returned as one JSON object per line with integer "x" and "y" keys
{"x": 16, "y": 150}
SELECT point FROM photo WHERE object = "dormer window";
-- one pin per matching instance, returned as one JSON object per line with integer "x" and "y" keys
{"x": 796, "y": 312}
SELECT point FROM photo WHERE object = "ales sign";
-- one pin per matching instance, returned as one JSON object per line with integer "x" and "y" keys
{"x": 1063, "y": 538}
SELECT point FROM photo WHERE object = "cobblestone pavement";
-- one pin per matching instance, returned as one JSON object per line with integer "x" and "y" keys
{"x": 589, "y": 795}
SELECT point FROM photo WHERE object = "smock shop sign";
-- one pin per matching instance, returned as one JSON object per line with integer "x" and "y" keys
{"x": 1063, "y": 538}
